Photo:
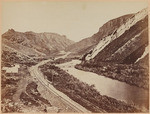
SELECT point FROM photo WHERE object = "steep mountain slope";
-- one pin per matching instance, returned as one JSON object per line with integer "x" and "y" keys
{"x": 126, "y": 44}
{"x": 108, "y": 28}
{"x": 35, "y": 44}
{"x": 124, "y": 54}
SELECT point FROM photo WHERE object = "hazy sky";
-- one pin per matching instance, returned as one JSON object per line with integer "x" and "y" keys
{"x": 76, "y": 20}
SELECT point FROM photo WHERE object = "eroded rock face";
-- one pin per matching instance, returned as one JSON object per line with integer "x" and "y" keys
{"x": 108, "y": 28}
{"x": 126, "y": 44}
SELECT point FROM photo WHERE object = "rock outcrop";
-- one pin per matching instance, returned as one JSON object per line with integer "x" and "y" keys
{"x": 83, "y": 46}
{"x": 126, "y": 44}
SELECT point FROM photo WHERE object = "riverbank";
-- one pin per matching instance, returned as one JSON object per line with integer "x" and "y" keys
{"x": 131, "y": 74}
{"x": 82, "y": 93}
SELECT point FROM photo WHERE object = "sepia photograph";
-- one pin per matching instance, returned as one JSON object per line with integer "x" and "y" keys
{"x": 74, "y": 56}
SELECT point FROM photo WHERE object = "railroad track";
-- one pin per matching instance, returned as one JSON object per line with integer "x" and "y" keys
{"x": 39, "y": 76}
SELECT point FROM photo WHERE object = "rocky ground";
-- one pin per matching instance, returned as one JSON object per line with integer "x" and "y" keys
{"x": 20, "y": 92}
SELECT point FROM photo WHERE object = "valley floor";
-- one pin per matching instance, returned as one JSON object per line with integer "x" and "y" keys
{"x": 82, "y": 93}
{"x": 66, "y": 104}
{"x": 22, "y": 92}
{"x": 29, "y": 91}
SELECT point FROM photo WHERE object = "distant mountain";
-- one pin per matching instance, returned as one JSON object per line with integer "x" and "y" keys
{"x": 87, "y": 44}
{"x": 126, "y": 44}
{"x": 35, "y": 44}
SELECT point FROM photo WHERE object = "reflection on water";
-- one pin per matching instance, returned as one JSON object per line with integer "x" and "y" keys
{"x": 106, "y": 86}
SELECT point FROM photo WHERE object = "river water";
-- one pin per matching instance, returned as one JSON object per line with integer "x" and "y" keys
{"x": 107, "y": 86}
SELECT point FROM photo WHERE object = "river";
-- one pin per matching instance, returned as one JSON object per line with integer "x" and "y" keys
{"x": 107, "y": 86}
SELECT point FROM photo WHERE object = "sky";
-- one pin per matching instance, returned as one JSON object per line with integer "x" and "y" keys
{"x": 75, "y": 19}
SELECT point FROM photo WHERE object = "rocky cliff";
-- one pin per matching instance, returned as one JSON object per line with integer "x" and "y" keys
{"x": 127, "y": 44}
{"x": 108, "y": 28}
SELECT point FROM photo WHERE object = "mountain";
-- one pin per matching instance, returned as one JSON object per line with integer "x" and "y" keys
{"x": 35, "y": 44}
{"x": 127, "y": 44}
{"x": 108, "y": 28}
{"x": 122, "y": 55}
